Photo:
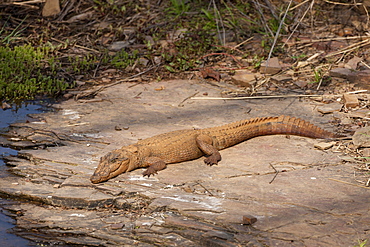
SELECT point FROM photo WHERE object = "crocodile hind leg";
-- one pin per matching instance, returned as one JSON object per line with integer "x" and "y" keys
{"x": 205, "y": 142}
{"x": 155, "y": 164}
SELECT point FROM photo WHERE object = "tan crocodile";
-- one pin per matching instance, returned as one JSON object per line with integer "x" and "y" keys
{"x": 182, "y": 145}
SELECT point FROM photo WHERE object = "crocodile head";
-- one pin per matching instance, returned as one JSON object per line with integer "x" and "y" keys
{"x": 111, "y": 165}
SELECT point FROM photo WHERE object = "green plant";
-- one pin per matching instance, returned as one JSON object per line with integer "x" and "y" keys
{"x": 232, "y": 19}
{"x": 84, "y": 63}
{"x": 122, "y": 59}
{"x": 361, "y": 243}
{"x": 178, "y": 7}
{"x": 274, "y": 24}
{"x": 257, "y": 61}
{"x": 300, "y": 56}
{"x": 320, "y": 78}
{"x": 15, "y": 33}
{"x": 111, "y": 6}
{"x": 26, "y": 71}
{"x": 211, "y": 23}
{"x": 188, "y": 51}
{"x": 318, "y": 75}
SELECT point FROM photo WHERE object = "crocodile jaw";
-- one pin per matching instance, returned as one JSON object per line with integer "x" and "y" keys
{"x": 110, "y": 166}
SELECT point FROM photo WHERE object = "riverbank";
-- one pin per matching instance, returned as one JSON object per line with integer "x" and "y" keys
{"x": 309, "y": 202}
{"x": 9, "y": 116}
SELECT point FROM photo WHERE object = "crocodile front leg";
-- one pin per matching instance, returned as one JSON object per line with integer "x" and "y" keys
{"x": 205, "y": 143}
{"x": 155, "y": 164}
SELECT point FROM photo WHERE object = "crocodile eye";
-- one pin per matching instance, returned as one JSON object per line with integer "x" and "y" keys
{"x": 114, "y": 160}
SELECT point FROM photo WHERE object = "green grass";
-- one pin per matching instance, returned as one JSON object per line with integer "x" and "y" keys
{"x": 178, "y": 7}
{"x": 362, "y": 243}
{"x": 122, "y": 59}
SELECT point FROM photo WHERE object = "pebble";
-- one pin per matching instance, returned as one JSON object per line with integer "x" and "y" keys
{"x": 350, "y": 100}
{"x": 271, "y": 67}
{"x": 324, "y": 145}
{"x": 249, "y": 219}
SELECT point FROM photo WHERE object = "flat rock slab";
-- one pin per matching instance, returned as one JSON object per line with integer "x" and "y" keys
{"x": 300, "y": 195}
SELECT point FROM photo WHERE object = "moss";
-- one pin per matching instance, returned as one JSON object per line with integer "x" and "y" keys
{"x": 26, "y": 71}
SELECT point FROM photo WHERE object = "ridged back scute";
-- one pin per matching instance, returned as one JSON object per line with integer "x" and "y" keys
{"x": 230, "y": 134}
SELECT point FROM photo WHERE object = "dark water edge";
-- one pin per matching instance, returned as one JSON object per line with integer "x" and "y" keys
{"x": 18, "y": 113}
{"x": 6, "y": 224}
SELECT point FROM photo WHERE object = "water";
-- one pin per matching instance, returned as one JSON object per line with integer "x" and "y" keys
{"x": 6, "y": 223}
{"x": 8, "y": 117}
{"x": 19, "y": 114}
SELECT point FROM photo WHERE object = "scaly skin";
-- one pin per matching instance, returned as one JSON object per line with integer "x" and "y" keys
{"x": 182, "y": 145}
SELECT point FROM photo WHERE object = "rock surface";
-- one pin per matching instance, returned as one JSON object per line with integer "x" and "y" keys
{"x": 300, "y": 196}
{"x": 361, "y": 138}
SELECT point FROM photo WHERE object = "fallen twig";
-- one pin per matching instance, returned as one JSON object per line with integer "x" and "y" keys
{"x": 344, "y": 182}
{"x": 261, "y": 97}
{"x": 276, "y": 173}
{"x": 78, "y": 46}
{"x": 350, "y": 48}
{"x": 242, "y": 43}
{"x": 322, "y": 77}
{"x": 330, "y": 39}
{"x": 95, "y": 91}
{"x": 130, "y": 77}
{"x": 345, "y": 4}
{"x": 358, "y": 91}
{"x": 201, "y": 185}
{"x": 189, "y": 97}
{"x": 280, "y": 96}
{"x": 298, "y": 5}
{"x": 277, "y": 35}
{"x": 27, "y": 2}
{"x": 225, "y": 54}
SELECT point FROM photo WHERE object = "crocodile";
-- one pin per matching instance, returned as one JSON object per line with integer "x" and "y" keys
{"x": 183, "y": 145}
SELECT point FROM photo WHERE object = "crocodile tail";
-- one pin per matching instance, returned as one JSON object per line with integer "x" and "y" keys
{"x": 293, "y": 126}
{"x": 234, "y": 133}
